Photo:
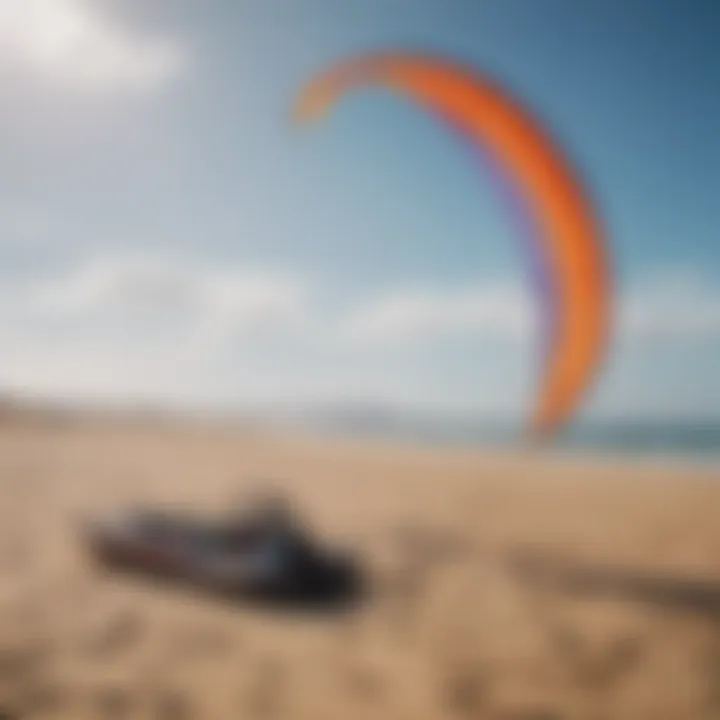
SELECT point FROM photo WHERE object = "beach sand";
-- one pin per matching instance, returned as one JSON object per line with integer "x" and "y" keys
{"x": 473, "y": 610}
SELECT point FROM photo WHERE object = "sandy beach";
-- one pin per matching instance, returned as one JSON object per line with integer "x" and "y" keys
{"x": 503, "y": 587}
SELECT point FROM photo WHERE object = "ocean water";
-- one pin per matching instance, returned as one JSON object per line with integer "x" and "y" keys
{"x": 686, "y": 438}
{"x": 666, "y": 439}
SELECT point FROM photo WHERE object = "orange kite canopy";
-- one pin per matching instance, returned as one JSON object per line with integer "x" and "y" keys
{"x": 567, "y": 239}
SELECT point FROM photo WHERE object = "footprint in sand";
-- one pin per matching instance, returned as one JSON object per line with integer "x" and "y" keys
{"x": 203, "y": 642}
{"x": 170, "y": 704}
{"x": 122, "y": 632}
{"x": 464, "y": 693}
{"x": 44, "y": 698}
{"x": 19, "y": 664}
{"x": 528, "y": 714}
{"x": 364, "y": 684}
{"x": 265, "y": 695}
{"x": 113, "y": 703}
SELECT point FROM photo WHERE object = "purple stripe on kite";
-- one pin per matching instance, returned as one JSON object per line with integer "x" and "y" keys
{"x": 516, "y": 206}
{"x": 540, "y": 273}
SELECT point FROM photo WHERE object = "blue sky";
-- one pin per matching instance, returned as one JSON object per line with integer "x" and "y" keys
{"x": 166, "y": 233}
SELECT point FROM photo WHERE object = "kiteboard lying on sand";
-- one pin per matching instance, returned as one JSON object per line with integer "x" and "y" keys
{"x": 258, "y": 555}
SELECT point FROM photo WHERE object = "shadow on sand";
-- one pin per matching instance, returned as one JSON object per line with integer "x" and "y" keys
{"x": 701, "y": 597}
{"x": 337, "y": 596}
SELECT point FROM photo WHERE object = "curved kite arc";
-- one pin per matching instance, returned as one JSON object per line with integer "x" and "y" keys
{"x": 566, "y": 238}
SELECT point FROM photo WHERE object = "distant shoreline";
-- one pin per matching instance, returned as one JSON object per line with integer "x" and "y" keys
{"x": 600, "y": 448}
{"x": 641, "y": 443}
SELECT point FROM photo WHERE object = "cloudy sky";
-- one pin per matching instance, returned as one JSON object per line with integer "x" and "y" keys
{"x": 166, "y": 233}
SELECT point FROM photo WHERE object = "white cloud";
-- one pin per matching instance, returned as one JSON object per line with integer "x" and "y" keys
{"x": 668, "y": 307}
{"x": 678, "y": 305}
{"x": 145, "y": 327}
{"x": 126, "y": 284}
{"x": 223, "y": 332}
{"x": 215, "y": 304}
{"x": 71, "y": 42}
{"x": 223, "y": 303}
{"x": 494, "y": 311}
{"x": 255, "y": 304}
